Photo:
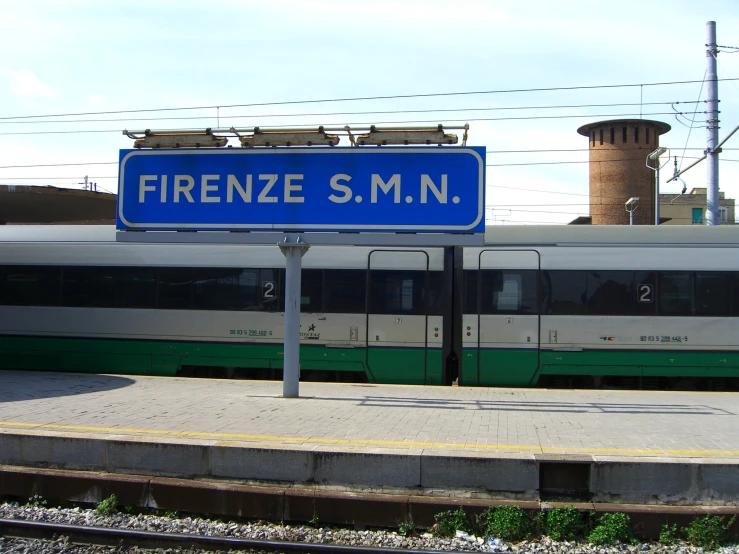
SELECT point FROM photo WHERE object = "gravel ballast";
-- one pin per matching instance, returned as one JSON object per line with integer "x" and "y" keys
{"x": 295, "y": 533}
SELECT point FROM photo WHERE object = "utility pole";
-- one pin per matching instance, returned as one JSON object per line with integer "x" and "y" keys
{"x": 713, "y": 215}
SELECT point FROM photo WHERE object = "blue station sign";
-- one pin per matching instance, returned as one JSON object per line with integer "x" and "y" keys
{"x": 389, "y": 189}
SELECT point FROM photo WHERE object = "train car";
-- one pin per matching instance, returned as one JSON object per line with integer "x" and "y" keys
{"x": 640, "y": 306}
{"x": 536, "y": 306}
{"x": 73, "y": 299}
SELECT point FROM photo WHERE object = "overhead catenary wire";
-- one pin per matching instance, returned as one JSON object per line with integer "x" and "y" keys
{"x": 536, "y": 150}
{"x": 364, "y": 123}
{"x": 361, "y": 98}
{"x": 692, "y": 121}
{"x": 333, "y": 114}
{"x": 560, "y": 162}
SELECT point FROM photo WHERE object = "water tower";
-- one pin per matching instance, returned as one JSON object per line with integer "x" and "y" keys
{"x": 618, "y": 170}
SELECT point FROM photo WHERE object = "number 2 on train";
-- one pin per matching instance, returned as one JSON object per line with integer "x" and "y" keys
{"x": 268, "y": 289}
{"x": 644, "y": 295}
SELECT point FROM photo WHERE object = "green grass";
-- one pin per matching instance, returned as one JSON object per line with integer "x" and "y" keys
{"x": 508, "y": 523}
{"x": 611, "y": 529}
{"x": 107, "y": 507}
{"x": 451, "y": 521}
{"x": 708, "y": 531}
{"x": 562, "y": 524}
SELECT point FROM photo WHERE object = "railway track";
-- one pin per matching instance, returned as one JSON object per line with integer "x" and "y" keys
{"x": 110, "y": 536}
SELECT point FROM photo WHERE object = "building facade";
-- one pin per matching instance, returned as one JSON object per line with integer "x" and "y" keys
{"x": 690, "y": 208}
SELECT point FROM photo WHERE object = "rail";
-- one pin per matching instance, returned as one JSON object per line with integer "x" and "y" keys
{"x": 111, "y": 536}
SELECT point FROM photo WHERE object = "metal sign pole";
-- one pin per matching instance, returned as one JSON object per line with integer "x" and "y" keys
{"x": 713, "y": 214}
{"x": 293, "y": 250}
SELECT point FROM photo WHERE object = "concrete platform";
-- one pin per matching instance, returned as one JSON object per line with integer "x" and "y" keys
{"x": 678, "y": 448}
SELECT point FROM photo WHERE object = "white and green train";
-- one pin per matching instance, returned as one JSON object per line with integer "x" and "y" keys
{"x": 537, "y": 306}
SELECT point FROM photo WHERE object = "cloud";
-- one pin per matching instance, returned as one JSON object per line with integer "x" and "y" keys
{"x": 25, "y": 83}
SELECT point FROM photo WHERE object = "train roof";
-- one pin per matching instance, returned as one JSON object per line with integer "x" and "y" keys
{"x": 501, "y": 235}
{"x": 613, "y": 235}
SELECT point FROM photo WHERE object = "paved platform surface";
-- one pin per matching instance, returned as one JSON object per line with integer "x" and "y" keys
{"x": 686, "y": 430}
{"x": 381, "y": 417}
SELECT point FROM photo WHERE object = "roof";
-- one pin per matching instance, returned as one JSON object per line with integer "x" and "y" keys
{"x": 662, "y": 128}
{"x": 37, "y": 204}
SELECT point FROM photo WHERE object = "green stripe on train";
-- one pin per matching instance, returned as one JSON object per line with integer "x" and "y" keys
{"x": 133, "y": 357}
{"x": 521, "y": 368}
{"x": 489, "y": 367}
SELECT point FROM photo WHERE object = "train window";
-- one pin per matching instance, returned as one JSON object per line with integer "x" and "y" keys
{"x": 564, "y": 292}
{"x": 610, "y": 292}
{"x": 175, "y": 286}
{"x": 257, "y": 290}
{"x": 252, "y": 289}
{"x": 311, "y": 286}
{"x": 397, "y": 292}
{"x": 222, "y": 289}
{"x": 734, "y": 278}
{"x": 508, "y": 292}
{"x": 80, "y": 287}
{"x": 345, "y": 291}
{"x": 676, "y": 293}
{"x": 125, "y": 287}
{"x": 270, "y": 283}
{"x": 711, "y": 294}
{"x": 470, "y": 291}
{"x": 32, "y": 286}
{"x": 433, "y": 293}
{"x": 645, "y": 292}
{"x": 216, "y": 288}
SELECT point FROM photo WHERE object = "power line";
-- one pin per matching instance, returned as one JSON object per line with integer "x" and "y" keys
{"x": 56, "y": 165}
{"x": 568, "y": 162}
{"x": 53, "y": 178}
{"x": 529, "y": 221}
{"x": 692, "y": 121}
{"x": 536, "y": 163}
{"x": 327, "y": 114}
{"x": 364, "y": 123}
{"x": 487, "y": 165}
{"x": 362, "y": 98}
{"x": 539, "y": 150}
{"x": 496, "y": 206}
{"x": 547, "y": 212}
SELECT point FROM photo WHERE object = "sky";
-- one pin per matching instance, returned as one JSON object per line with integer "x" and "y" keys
{"x": 77, "y": 62}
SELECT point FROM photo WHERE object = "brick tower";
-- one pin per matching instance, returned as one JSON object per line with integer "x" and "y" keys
{"x": 618, "y": 170}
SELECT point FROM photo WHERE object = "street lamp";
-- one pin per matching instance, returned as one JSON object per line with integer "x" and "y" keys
{"x": 655, "y": 156}
{"x": 631, "y": 205}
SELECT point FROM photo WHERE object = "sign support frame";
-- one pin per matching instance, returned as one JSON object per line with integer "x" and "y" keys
{"x": 420, "y": 240}
{"x": 293, "y": 249}
{"x": 294, "y": 238}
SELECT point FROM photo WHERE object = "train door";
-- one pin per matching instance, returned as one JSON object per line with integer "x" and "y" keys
{"x": 501, "y": 338}
{"x": 397, "y": 324}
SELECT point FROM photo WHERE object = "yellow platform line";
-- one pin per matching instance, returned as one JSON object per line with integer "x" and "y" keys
{"x": 363, "y": 442}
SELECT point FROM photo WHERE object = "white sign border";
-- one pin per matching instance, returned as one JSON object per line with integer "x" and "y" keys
{"x": 300, "y": 227}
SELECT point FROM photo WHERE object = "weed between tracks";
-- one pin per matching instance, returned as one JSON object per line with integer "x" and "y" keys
{"x": 513, "y": 524}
